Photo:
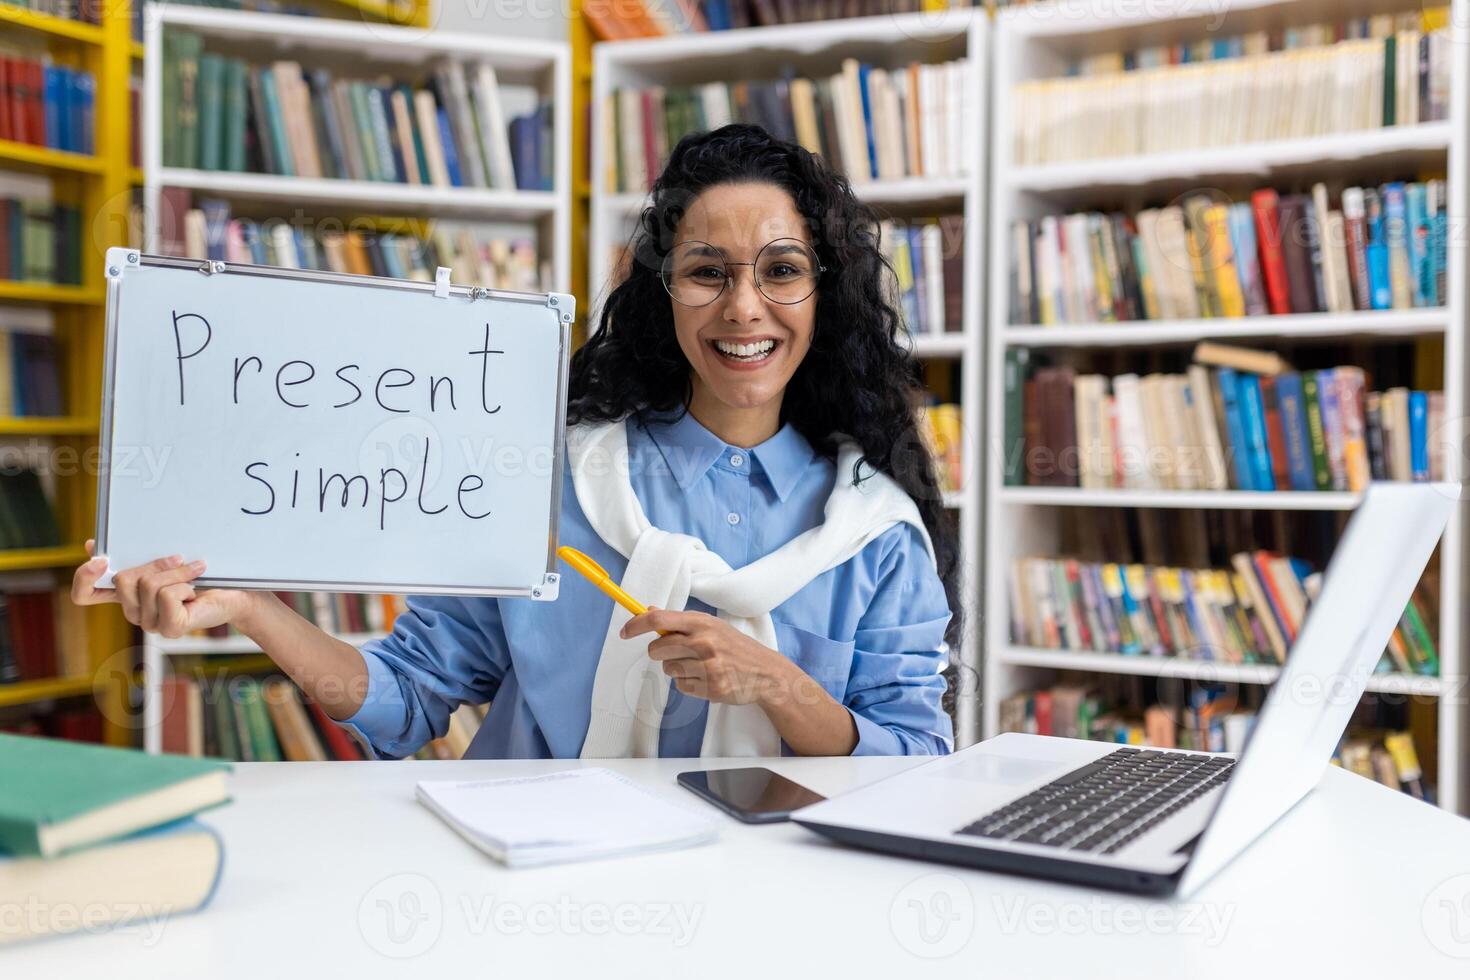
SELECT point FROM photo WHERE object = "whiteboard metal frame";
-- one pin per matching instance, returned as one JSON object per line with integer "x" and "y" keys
{"x": 120, "y": 260}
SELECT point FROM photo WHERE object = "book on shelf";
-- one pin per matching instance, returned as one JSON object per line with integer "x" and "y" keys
{"x": 40, "y": 241}
{"x": 82, "y": 11}
{"x": 269, "y": 719}
{"x": 1205, "y": 718}
{"x": 27, "y": 519}
{"x": 338, "y": 613}
{"x": 406, "y": 249}
{"x": 30, "y": 374}
{"x": 446, "y": 128}
{"x": 58, "y": 720}
{"x": 611, "y": 20}
{"x": 866, "y": 121}
{"x": 1218, "y": 428}
{"x": 46, "y": 104}
{"x": 1359, "y": 74}
{"x": 42, "y": 633}
{"x": 1248, "y": 613}
{"x": 1277, "y": 253}
{"x": 927, "y": 262}
{"x": 942, "y": 429}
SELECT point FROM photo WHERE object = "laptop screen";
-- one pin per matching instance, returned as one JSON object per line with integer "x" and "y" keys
{"x": 1371, "y": 576}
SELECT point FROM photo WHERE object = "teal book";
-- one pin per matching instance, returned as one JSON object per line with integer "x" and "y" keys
{"x": 1240, "y": 463}
{"x": 211, "y": 112}
{"x": 56, "y": 796}
{"x": 362, "y": 124}
{"x": 276, "y": 123}
{"x": 234, "y": 100}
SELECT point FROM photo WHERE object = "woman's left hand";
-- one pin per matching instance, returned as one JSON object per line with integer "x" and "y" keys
{"x": 708, "y": 658}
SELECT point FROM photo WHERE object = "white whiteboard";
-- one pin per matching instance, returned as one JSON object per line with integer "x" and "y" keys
{"x": 243, "y": 405}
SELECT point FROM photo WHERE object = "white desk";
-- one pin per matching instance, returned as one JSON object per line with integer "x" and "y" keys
{"x": 317, "y": 855}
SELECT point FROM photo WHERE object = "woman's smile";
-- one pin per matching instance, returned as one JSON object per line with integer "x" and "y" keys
{"x": 746, "y": 354}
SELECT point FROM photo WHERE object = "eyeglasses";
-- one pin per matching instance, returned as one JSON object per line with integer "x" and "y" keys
{"x": 785, "y": 270}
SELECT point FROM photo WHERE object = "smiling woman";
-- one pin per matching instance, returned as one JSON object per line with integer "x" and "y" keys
{"x": 742, "y": 457}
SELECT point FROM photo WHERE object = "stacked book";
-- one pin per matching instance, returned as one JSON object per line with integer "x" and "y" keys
{"x": 232, "y": 716}
{"x": 1238, "y": 419}
{"x": 1381, "y": 248}
{"x": 401, "y": 249}
{"x": 869, "y": 123}
{"x": 1249, "y": 613}
{"x": 93, "y": 836}
{"x": 30, "y": 376}
{"x": 40, "y": 241}
{"x": 447, "y": 130}
{"x": 46, "y": 104}
{"x": 928, "y": 263}
{"x": 1211, "y": 721}
{"x": 42, "y": 633}
{"x": 942, "y": 429}
{"x": 1392, "y": 71}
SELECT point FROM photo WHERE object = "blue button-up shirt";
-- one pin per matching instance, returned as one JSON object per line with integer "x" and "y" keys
{"x": 870, "y": 631}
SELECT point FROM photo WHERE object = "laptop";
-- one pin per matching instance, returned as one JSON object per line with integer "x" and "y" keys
{"x": 1163, "y": 821}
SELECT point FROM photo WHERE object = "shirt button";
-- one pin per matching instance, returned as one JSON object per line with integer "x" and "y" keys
{"x": 733, "y": 518}
{"x": 736, "y": 459}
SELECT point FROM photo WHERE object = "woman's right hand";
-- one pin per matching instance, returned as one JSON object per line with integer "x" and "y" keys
{"x": 160, "y": 596}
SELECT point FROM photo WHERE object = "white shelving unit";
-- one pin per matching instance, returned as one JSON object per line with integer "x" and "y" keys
{"x": 1038, "y": 41}
{"x": 353, "y": 48}
{"x": 817, "y": 49}
{"x": 156, "y": 651}
{"x": 361, "y": 49}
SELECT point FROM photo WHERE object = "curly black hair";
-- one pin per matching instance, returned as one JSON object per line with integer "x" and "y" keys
{"x": 857, "y": 379}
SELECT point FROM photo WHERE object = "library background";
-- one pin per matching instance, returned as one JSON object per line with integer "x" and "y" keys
{"x": 1179, "y": 280}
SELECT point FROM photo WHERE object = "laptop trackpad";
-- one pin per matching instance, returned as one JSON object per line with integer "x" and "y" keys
{"x": 988, "y": 767}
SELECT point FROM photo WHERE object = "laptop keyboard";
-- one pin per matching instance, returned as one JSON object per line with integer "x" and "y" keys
{"x": 1104, "y": 805}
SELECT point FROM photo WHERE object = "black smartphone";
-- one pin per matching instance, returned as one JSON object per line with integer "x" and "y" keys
{"x": 754, "y": 795}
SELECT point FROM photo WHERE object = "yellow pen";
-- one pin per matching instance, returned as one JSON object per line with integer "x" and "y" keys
{"x": 598, "y": 576}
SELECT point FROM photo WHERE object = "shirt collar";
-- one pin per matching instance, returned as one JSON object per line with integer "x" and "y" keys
{"x": 690, "y": 450}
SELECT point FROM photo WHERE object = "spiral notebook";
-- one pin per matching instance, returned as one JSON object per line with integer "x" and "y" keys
{"x": 576, "y": 815}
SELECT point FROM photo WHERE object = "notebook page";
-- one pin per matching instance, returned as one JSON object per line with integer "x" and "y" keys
{"x": 577, "y": 808}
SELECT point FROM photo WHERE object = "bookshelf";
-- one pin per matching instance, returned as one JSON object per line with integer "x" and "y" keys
{"x": 817, "y": 49}
{"x": 158, "y": 649}
{"x": 1022, "y": 521}
{"x": 96, "y": 183}
{"x": 357, "y": 49}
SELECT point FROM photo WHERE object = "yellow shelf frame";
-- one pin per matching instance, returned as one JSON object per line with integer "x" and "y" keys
{"x": 28, "y": 692}
{"x": 27, "y": 559}
{"x": 19, "y": 291}
{"x": 65, "y": 28}
{"x": 41, "y": 159}
{"x": 414, "y": 13}
{"x": 48, "y": 425}
{"x": 582, "y": 40}
{"x": 99, "y": 185}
